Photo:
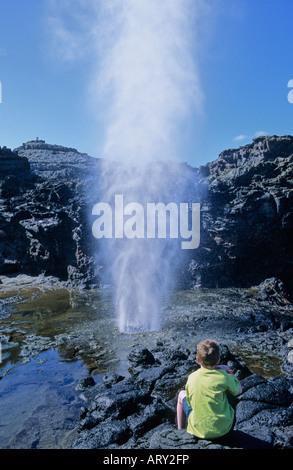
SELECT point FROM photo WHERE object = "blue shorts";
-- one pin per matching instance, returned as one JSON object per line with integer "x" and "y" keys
{"x": 186, "y": 407}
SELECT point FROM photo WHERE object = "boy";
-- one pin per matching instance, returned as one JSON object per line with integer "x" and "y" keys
{"x": 204, "y": 401}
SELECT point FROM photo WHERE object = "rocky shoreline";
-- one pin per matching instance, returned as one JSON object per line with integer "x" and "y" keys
{"x": 138, "y": 412}
{"x": 237, "y": 286}
{"x": 135, "y": 408}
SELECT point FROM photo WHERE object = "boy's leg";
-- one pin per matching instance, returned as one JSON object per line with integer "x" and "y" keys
{"x": 181, "y": 418}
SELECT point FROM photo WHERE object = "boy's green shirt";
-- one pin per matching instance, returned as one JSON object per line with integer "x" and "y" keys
{"x": 206, "y": 392}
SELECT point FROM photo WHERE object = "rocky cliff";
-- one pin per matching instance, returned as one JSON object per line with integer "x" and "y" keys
{"x": 246, "y": 198}
{"x": 43, "y": 219}
{"x": 248, "y": 215}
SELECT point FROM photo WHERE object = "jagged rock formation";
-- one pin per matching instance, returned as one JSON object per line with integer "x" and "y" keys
{"x": 44, "y": 219}
{"x": 247, "y": 215}
{"x": 246, "y": 198}
{"x": 139, "y": 412}
{"x": 13, "y": 164}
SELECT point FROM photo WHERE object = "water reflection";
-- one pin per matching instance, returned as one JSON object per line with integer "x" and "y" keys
{"x": 51, "y": 338}
{"x": 39, "y": 406}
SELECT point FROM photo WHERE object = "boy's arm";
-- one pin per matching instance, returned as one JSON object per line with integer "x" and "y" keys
{"x": 227, "y": 369}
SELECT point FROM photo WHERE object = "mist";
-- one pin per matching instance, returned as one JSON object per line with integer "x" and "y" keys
{"x": 145, "y": 87}
{"x": 147, "y": 78}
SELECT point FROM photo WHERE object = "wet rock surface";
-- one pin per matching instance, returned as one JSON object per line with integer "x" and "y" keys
{"x": 246, "y": 198}
{"x": 127, "y": 394}
{"x": 145, "y": 403}
{"x": 139, "y": 412}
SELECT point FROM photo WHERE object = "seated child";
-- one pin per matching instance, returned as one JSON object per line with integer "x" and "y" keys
{"x": 204, "y": 402}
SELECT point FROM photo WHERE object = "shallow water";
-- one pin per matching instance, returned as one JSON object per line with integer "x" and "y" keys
{"x": 52, "y": 338}
{"x": 39, "y": 406}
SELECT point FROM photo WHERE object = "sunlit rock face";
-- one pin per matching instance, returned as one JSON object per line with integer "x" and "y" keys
{"x": 43, "y": 216}
{"x": 246, "y": 203}
{"x": 247, "y": 216}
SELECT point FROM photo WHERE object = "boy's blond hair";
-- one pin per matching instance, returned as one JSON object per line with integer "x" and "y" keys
{"x": 208, "y": 352}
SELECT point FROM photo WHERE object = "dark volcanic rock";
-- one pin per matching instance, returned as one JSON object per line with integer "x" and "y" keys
{"x": 139, "y": 411}
{"x": 287, "y": 365}
{"x": 247, "y": 216}
{"x": 246, "y": 196}
{"x": 44, "y": 226}
{"x": 43, "y": 231}
{"x": 141, "y": 356}
{"x": 11, "y": 164}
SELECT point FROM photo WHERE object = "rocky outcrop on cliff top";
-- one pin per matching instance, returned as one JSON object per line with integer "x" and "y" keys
{"x": 139, "y": 412}
{"x": 57, "y": 161}
{"x": 246, "y": 196}
{"x": 44, "y": 217}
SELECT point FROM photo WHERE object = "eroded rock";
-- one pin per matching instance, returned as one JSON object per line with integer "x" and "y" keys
{"x": 144, "y": 406}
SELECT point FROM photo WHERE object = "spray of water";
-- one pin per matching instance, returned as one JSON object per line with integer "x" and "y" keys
{"x": 145, "y": 84}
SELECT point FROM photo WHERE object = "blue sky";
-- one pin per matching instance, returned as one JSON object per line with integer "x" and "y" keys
{"x": 244, "y": 65}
